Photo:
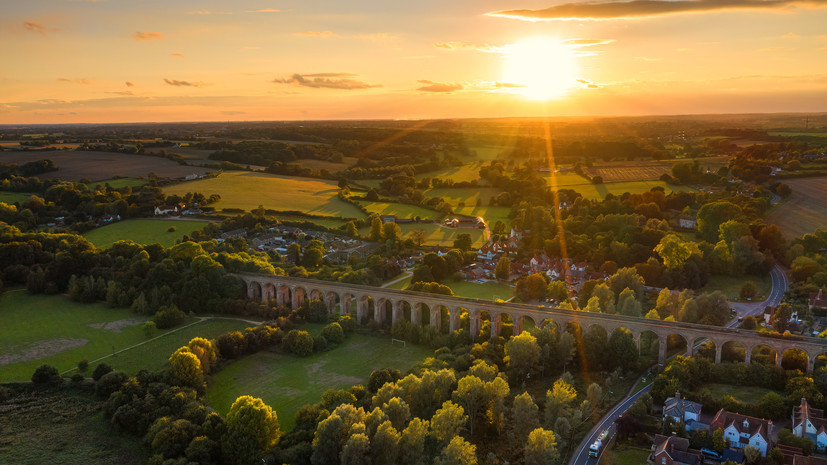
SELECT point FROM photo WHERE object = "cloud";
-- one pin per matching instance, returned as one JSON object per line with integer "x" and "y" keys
{"x": 178, "y": 55}
{"x": 39, "y": 28}
{"x": 340, "y": 81}
{"x": 431, "y": 86}
{"x": 587, "y": 42}
{"x": 586, "y": 84}
{"x": 455, "y": 45}
{"x": 177, "y": 83}
{"x": 75, "y": 81}
{"x": 121, "y": 92}
{"x": 129, "y": 84}
{"x": 637, "y": 9}
{"x": 791, "y": 35}
{"x": 200, "y": 12}
{"x": 823, "y": 36}
{"x": 265, "y": 10}
{"x": 141, "y": 35}
{"x": 313, "y": 34}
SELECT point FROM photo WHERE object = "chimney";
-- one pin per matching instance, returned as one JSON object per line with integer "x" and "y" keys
{"x": 677, "y": 395}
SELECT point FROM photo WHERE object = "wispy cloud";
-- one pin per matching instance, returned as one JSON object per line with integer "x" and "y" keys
{"x": 204, "y": 13}
{"x": 587, "y": 42}
{"x": 121, "y": 92}
{"x": 129, "y": 84}
{"x": 342, "y": 81}
{"x": 265, "y": 10}
{"x": 177, "y": 55}
{"x": 75, "y": 81}
{"x": 586, "y": 84}
{"x": 431, "y": 86}
{"x": 233, "y": 112}
{"x": 456, "y": 45}
{"x": 636, "y": 9}
{"x": 313, "y": 34}
{"x": 791, "y": 35}
{"x": 147, "y": 35}
{"x": 39, "y": 28}
{"x": 177, "y": 83}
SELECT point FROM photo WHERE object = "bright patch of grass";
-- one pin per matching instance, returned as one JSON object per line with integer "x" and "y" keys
{"x": 247, "y": 190}
{"x": 328, "y": 222}
{"x": 401, "y": 210}
{"x": 436, "y": 234}
{"x": 731, "y": 286}
{"x": 286, "y": 383}
{"x": 488, "y": 290}
{"x": 744, "y": 394}
{"x": 143, "y": 231}
{"x": 118, "y": 183}
{"x": 624, "y": 455}
{"x": 599, "y": 191}
{"x": 12, "y": 197}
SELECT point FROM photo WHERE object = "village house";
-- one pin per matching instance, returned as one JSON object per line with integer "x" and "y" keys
{"x": 492, "y": 251}
{"x": 477, "y": 222}
{"x": 166, "y": 209}
{"x": 235, "y": 233}
{"x": 681, "y": 410}
{"x": 673, "y": 450}
{"x": 742, "y": 430}
{"x": 818, "y": 300}
{"x": 809, "y": 422}
{"x": 687, "y": 222}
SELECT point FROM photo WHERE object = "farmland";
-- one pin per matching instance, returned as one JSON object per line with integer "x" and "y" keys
{"x": 805, "y": 210}
{"x": 646, "y": 169}
{"x": 401, "y": 210}
{"x": 286, "y": 383}
{"x": 143, "y": 231}
{"x": 436, "y": 234}
{"x": 60, "y": 332}
{"x": 118, "y": 183}
{"x": 246, "y": 190}
{"x": 74, "y": 166}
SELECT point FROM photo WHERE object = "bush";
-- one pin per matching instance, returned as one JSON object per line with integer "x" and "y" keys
{"x": 169, "y": 316}
{"x": 5, "y": 394}
{"x": 171, "y": 229}
{"x": 347, "y": 323}
{"x": 77, "y": 378}
{"x": 319, "y": 344}
{"x": 150, "y": 329}
{"x": 334, "y": 333}
{"x": 101, "y": 370}
{"x": 45, "y": 374}
{"x": 299, "y": 343}
{"x": 83, "y": 365}
{"x": 747, "y": 291}
{"x": 110, "y": 383}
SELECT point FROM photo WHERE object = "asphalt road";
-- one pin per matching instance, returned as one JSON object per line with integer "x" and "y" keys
{"x": 581, "y": 455}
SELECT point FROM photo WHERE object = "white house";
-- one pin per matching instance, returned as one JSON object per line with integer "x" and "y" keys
{"x": 742, "y": 430}
{"x": 809, "y": 422}
{"x": 681, "y": 410}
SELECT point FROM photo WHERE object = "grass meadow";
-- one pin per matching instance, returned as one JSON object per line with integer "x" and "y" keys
{"x": 12, "y": 197}
{"x": 247, "y": 190}
{"x": 488, "y": 290}
{"x": 744, "y": 394}
{"x": 401, "y": 210}
{"x": 805, "y": 210}
{"x": 118, "y": 183}
{"x": 731, "y": 286}
{"x": 286, "y": 383}
{"x": 436, "y": 234}
{"x": 143, "y": 231}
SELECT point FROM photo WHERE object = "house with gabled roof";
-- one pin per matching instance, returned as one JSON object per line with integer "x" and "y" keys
{"x": 673, "y": 450}
{"x": 742, "y": 430}
{"x": 809, "y": 422}
{"x": 681, "y": 410}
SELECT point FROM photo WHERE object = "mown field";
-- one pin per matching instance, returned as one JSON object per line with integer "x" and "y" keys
{"x": 247, "y": 190}
{"x": 401, "y": 210}
{"x": 805, "y": 210}
{"x": 436, "y": 234}
{"x": 74, "y": 166}
{"x": 57, "y": 331}
{"x": 143, "y": 231}
{"x": 745, "y": 394}
{"x": 286, "y": 383}
{"x": 624, "y": 455}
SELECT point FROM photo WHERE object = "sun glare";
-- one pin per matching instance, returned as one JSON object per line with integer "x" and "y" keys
{"x": 541, "y": 68}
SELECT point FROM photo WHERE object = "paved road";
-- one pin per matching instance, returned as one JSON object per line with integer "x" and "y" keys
{"x": 581, "y": 454}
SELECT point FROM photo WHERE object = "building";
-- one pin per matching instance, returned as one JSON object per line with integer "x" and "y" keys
{"x": 743, "y": 430}
{"x": 166, "y": 209}
{"x": 477, "y": 222}
{"x": 809, "y": 422}
{"x": 672, "y": 450}
{"x": 387, "y": 219}
{"x": 818, "y": 299}
{"x": 687, "y": 222}
{"x": 235, "y": 233}
{"x": 681, "y": 410}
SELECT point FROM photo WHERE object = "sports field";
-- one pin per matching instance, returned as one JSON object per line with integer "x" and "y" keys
{"x": 57, "y": 331}
{"x": 805, "y": 210}
{"x": 143, "y": 231}
{"x": 247, "y": 190}
{"x": 286, "y": 383}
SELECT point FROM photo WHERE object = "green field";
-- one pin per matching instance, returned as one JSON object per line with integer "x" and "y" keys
{"x": 490, "y": 214}
{"x": 744, "y": 394}
{"x": 624, "y": 455}
{"x": 143, "y": 232}
{"x": 12, "y": 197}
{"x": 286, "y": 383}
{"x": 731, "y": 286}
{"x": 118, "y": 183}
{"x": 327, "y": 222}
{"x": 599, "y": 191}
{"x": 469, "y": 195}
{"x": 488, "y": 290}
{"x": 467, "y": 172}
{"x": 401, "y": 210}
{"x": 436, "y": 234}
{"x": 56, "y": 330}
{"x": 247, "y": 190}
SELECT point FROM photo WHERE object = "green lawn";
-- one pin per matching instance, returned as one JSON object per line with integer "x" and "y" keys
{"x": 624, "y": 455}
{"x": 470, "y": 196}
{"x": 467, "y": 172}
{"x": 12, "y": 197}
{"x": 436, "y": 234}
{"x": 247, "y": 190}
{"x": 490, "y": 214}
{"x": 286, "y": 383}
{"x": 118, "y": 183}
{"x": 143, "y": 231}
{"x": 744, "y": 394}
{"x": 488, "y": 290}
{"x": 401, "y": 210}
{"x": 57, "y": 331}
{"x": 731, "y": 286}
{"x": 327, "y": 222}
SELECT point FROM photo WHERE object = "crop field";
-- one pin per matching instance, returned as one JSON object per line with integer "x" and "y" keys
{"x": 805, "y": 210}
{"x": 466, "y": 172}
{"x": 12, "y": 197}
{"x": 60, "y": 332}
{"x": 247, "y": 190}
{"x": 401, "y": 210}
{"x": 118, "y": 183}
{"x": 74, "y": 166}
{"x": 436, "y": 234}
{"x": 644, "y": 170}
{"x": 286, "y": 383}
{"x": 143, "y": 231}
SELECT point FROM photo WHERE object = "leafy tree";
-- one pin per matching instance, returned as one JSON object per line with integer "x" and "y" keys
{"x": 422, "y": 274}
{"x": 560, "y": 400}
{"x": 470, "y": 394}
{"x": 418, "y": 236}
{"x": 780, "y": 320}
{"x": 252, "y": 428}
{"x": 557, "y": 291}
{"x": 531, "y": 288}
{"x": 375, "y": 229}
{"x": 385, "y": 444}
{"x": 626, "y": 278}
{"x": 503, "y": 269}
{"x": 206, "y": 352}
{"x": 623, "y": 349}
{"x": 541, "y": 448}
{"x": 150, "y": 329}
{"x": 299, "y": 343}
{"x": 605, "y": 297}
{"x": 627, "y": 304}
{"x": 525, "y": 417}
{"x": 110, "y": 383}
{"x": 718, "y": 441}
{"x": 593, "y": 306}
{"x": 391, "y": 232}
{"x": 398, "y": 412}
{"x": 747, "y": 291}
{"x": 45, "y": 374}
{"x": 712, "y": 215}
{"x": 356, "y": 450}
{"x": 522, "y": 355}
{"x": 675, "y": 251}
{"x": 457, "y": 452}
{"x": 412, "y": 443}
{"x": 752, "y": 455}
{"x": 447, "y": 422}
{"x": 334, "y": 333}
{"x": 101, "y": 370}
{"x": 186, "y": 367}
{"x": 667, "y": 303}
{"x": 327, "y": 440}
{"x": 463, "y": 242}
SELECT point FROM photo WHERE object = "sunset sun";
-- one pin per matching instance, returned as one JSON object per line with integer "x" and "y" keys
{"x": 542, "y": 67}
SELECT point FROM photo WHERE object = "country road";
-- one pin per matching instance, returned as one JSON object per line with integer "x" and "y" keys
{"x": 581, "y": 454}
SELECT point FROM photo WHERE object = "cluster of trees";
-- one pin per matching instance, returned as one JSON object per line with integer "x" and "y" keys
{"x": 30, "y": 169}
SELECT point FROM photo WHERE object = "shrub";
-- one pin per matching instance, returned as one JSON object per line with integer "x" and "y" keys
{"x": 171, "y": 229}
{"x": 319, "y": 344}
{"x": 347, "y": 323}
{"x": 110, "y": 383}
{"x": 299, "y": 343}
{"x": 334, "y": 333}
{"x": 101, "y": 370}
{"x": 150, "y": 329}
{"x": 77, "y": 378}
{"x": 169, "y": 316}
{"x": 45, "y": 374}
{"x": 83, "y": 365}
{"x": 747, "y": 291}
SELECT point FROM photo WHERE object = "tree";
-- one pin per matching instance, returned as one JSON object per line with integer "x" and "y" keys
{"x": 531, "y": 288}
{"x": 205, "y": 350}
{"x": 747, "y": 291}
{"x": 627, "y": 304}
{"x": 186, "y": 368}
{"x": 559, "y": 401}
{"x": 522, "y": 355}
{"x": 667, "y": 304}
{"x": 752, "y": 455}
{"x": 101, "y": 370}
{"x": 356, "y": 450}
{"x": 391, "y": 232}
{"x": 595, "y": 395}
{"x": 541, "y": 448}
{"x": 605, "y": 297}
{"x": 623, "y": 349}
{"x": 626, "y": 278}
{"x": 252, "y": 427}
{"x": 463, "y": 242}
{"x": 712, "y": 215}
{"x": 525, "y": 417}
{"x": 326, "y": 441}
{"x": 447, "y": 422}
{"x": 675, "y": 251}
{"x": 780, "y": 320}
{"x": 397, "y": 411}
{"x": 503, "y": 269}
{"x": 412, "y": 443}
{"x": 418, "y": 236}
{"x": 45, "y": 374}
{"x": 470, "y": 394}
{"x": 375, "y": 229}
{"x": 385, "y": 444}
{"x": 458, "y": 452}
{"x": 718, "y": 441}
{"x": 299, "y": 343}
{"x": 557, "y": 291}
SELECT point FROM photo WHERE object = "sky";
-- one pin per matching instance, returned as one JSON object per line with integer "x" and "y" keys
{"x": 111, "y": 61}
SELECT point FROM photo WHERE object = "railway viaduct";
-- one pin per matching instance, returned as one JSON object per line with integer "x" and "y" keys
{"x": 391, "y": 305}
